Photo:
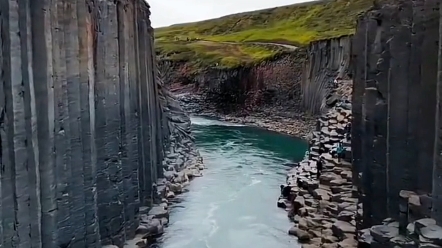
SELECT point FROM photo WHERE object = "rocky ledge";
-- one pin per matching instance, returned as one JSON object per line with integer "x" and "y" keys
{"x": 412, "y": 229}
{"x": 324, "y": 208}
{"x": 327, "y": 211}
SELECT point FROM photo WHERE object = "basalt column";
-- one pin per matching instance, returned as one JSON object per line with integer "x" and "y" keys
{"x": 426, "y": 23}
{"x": 395, "y": 52}
{"x": 20, "y": 175}
{"x": 82, "y": 127}
{"x": 437, "y": 162}
{"x": 399, "y": 171}
{"x": 369, "y": 129}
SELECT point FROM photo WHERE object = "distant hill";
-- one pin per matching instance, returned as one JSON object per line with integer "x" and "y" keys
{"x": 237, "y": 39}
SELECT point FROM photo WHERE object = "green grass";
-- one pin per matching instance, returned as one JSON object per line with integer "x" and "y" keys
{"x": 297, "y": 24}
{"x": 201, "y": 54}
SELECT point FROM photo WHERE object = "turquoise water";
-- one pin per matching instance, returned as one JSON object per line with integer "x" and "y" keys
{"x": 234, "y": 204}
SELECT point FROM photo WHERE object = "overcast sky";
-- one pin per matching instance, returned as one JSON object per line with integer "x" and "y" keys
{"x": 168, "y": 12}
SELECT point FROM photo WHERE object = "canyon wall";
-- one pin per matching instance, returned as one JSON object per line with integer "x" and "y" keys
{"x": 86, "y": 128}
{"x": 326, "y": 60}
{"x": 274, "y": 82}
{"x": 396, "y": 112}
{"x": 296, "y": 81}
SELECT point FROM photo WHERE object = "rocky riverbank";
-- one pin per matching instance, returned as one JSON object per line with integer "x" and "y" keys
{"x": 181, "y": 164}
{"x": 327, "y": 209}
{"x": 184, "y": 163}
{"x": 270, "y": 118}
{"x": 324, "y": 208}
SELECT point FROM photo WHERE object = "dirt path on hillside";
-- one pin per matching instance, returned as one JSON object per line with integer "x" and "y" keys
{"x": 290, "y": 47}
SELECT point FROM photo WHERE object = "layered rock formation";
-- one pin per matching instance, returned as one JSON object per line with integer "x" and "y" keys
{"x": 87, "y": 131}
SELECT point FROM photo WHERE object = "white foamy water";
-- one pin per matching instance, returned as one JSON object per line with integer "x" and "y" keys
{"x": 201, "y": 121}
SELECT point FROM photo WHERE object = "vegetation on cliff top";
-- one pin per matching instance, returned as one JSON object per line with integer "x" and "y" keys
{"x": 232, "y": 40}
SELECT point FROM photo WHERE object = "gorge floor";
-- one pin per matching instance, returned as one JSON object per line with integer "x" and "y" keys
{"x": 233, "y": 204}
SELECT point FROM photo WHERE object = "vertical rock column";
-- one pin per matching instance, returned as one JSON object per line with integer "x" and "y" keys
{"x": 110, "y": 172}
{"x": 87, "y": 31}
{"x": 427, "y": 20}
{"x": 378, "y": 74}
{"x": 374, "y": 140}
{"x": 81, "y": 122}
{"x": 128, "y": 143}
{"x": 145, "y": 169}
{"x": 394, "y": 51}
{"x": 63, "y": 61}
{"x": 20, "y": 176}
{"x": 131, "y": 52}
{"x": 368, "y": 133}
{"x": 358, "y": 61}
{"x": 437, "y": 159}
{"x": 400, "y": 172}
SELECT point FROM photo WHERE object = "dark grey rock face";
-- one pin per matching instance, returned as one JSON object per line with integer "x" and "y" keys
{"x": 326, "y": 60}
{"x": 84, "y": 122}
{"x": 395, "y": 57}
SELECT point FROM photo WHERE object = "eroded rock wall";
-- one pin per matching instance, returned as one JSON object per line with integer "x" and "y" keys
{"x": 84, "y": 123}
{"x": 395, "y": 60}
{"x": 275, "y": 82}
{"x": 326, "y": 60}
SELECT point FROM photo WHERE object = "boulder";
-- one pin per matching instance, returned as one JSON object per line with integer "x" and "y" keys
{"x": 433, "y": 233}
{"x": 298, "y": 203}
{"x": 423, "y": 223}
{"x": 365, "y": 238}
{"x": 303, "y": 236}
{"x": 321, "y": 194}
{"x": 348, "y": 243}
{"x": 345, "y": 216}
{"x": 170, "y": 195}
{"x": 329, "y": 239}
{"x": 403, "y": 242}
{"x": 383, "y": 233}
{"x": 282, "y": 203}
{"x": 340, "y": 228}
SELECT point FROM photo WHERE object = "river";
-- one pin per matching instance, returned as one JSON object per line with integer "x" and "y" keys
{"x": 234, "y": 204}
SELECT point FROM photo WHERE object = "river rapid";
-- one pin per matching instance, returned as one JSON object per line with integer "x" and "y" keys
{"x": 234, "y": 204}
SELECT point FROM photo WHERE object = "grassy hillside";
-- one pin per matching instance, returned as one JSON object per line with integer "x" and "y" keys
{"x": 228, "y": 41}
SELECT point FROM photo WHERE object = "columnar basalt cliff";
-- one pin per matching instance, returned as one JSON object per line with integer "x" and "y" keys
{"x": 395, "y": 64}
{"x": 296, "y": 80}
{"x": 326, "y": 60}
{"x": 87, "y": 130}
{"x": 394, "y": 103}
{"x": 271, "y": 82}
{"x": 396, "y": 111}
